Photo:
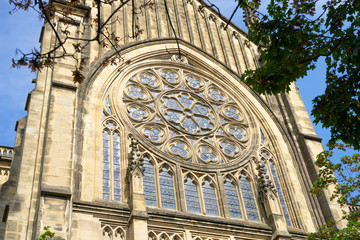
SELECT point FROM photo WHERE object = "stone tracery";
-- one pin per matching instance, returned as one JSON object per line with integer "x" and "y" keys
{"x": 186, "y": 115}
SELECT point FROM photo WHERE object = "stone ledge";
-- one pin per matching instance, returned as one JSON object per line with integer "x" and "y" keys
{"x": 55, "y": 191}
{"x": 311, "y": 137}
{"x": 64, "y": 85}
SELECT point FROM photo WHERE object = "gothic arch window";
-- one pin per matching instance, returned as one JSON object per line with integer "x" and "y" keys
{"x": 111, "y": 177}
{"x": 192, "y": 195}
{"x": 248, "y": 198}
{"x": 187, "y": 119}
{"x": 149, "y": 182}
{"x": 280, "y": 194}
{"x": 209, "y": 197}
{"x": 167, "y": 193}
{"x": 232, "y": 198}
{"x": 268, "y": 162}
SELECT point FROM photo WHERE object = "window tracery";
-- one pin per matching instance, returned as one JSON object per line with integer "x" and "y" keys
{"x": 152, "y": 235}
{"x": 267, "y": 161}
{"x": 232, "y": 198}
{"x": 191, "y": 119}
{"x": 111, "y": 177}
{"x": 181, "y": 112}
{"x": 167, "y": 189}
{"x": 149, "y": 183}
{"x": 210, "y": 199}
{"x": 248, "y": 197}
{"x": 192, "y": 195}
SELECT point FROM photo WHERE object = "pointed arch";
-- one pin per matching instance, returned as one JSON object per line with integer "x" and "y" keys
{"x": 176, "y": 237}
{"x": 149, "y": 182}
{"x": 210, "y": 196}
{"x": 248, "y": 196}
{"x": 107, "y": 233}
{"x": 232, "y": 196}
{"x": 280, "y": 193}
{"x": 116, "y": 165}
{"x": 119, "y": 233}
{"x": 191, "y": 189}
{"x": 164, "y": 236}
{"x": 166, "y": 181}
{"x": 152, "y": 236}
{"x": 106, "y": 192}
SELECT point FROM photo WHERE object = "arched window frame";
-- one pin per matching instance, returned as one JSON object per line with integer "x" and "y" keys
{"x": 111, "y": 132}
{"x": 212, "y": 183}
{"x": 266, "y": 160}
{"x": 171, "y": 171}
{"x": 156, "y": 178}
{"x": 247, "y": 175}
{"x": 233, "y": 180}
{"x": 196, "y": 181}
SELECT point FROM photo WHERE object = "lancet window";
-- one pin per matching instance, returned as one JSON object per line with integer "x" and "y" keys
{"x": 267, "y": 161}
{"x": 248, "y": 197}
{"x": 149, "y": 183}
{"x": 240, "y": 198}
{"x": 192, "y": 196}
{"x": 210, "y": 200}
{"x": 167, "y": 189}
{"x": 280, "y": 194}
{"x": 232, "y": 198}
{"x": 111, "y": 175}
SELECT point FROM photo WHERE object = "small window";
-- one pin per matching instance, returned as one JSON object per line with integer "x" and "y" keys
{"x": 116, "y": 166}
{"x": 249, "y": 200}
{"x": 149, "y": 183}
{"x": 280, "y": 194}
{"x": 111, "y": 169}
{"x": 210, "y": 200}
{"x": 167, "y": 190}
{"x": 192, "y": 196}
{"x": 106, "y": 166}
{"x": 232, "y": 199}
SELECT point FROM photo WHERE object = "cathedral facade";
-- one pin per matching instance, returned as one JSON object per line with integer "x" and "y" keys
{"x": 167, "y": 144}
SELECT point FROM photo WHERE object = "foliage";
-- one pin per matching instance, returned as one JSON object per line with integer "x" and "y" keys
{"x": 48, "y": 235}
{"x": 37, "y": 60}
{"x": 346, "y": 192}
{"x": 292, "y": 36}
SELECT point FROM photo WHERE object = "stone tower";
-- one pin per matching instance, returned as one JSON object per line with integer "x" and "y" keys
{"x": 167, "y": 144}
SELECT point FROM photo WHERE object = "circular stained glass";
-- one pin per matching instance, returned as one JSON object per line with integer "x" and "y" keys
{"x": 187, "y": 112}
{"x": 186, "y": 116}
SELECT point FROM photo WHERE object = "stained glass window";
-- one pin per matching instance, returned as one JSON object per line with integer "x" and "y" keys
{"x": 116, "y": 166}
{"x": 106, "y": 166}
{"x": 249, "y": 200}
{"x": 280, "y": 194}
{"x": 149, "y": 183}
{"x": 188, "y": 106}
{"x": 167, "y": 190}
{"x": 210, "y": 200}
{"x": 232, "y": 199}
{"x": 192, "y": 196}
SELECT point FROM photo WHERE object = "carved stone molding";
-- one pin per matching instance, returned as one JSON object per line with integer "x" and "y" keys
{"x": 135, "y": 158}
{"x": 266, "y": 187}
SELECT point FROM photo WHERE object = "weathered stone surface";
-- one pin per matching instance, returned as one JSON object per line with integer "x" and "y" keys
{"x": 63, "y": 172}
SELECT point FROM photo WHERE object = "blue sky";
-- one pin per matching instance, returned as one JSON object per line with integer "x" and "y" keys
{"x": 22, "y": 29}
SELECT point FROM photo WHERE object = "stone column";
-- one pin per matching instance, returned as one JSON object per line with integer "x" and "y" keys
{"x": 269, "y": 198}
{"x": 137, "y": 223}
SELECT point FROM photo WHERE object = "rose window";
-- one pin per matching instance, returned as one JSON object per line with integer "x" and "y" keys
{"x": 186, "y": 116}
